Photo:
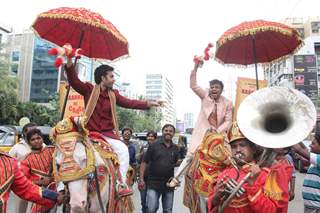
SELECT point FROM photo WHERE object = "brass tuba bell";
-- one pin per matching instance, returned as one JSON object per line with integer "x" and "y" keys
{"x": 276, "y": 117}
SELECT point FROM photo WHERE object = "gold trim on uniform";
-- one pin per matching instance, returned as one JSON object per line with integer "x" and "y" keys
{"x": 254, "y": 197}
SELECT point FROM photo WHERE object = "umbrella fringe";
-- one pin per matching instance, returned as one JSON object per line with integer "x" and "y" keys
{"x": 264, "y": 63}
{"x": 114, "y": 31}
{"x": 111, "y": 61}
{"x": 285, "y": 31}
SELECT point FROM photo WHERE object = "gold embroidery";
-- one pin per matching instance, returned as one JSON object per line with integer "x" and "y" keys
{"x": 238, "y": 202}
{"x": 64, "y": 126}
{"x": 271, "y": 188}
{"x": 213, "y": 157}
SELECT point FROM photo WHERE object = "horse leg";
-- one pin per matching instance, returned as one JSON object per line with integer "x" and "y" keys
{"x": 78, "y": 195}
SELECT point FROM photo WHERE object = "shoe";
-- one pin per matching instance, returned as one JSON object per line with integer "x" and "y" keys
{"x": 173, "y": 182}
{"x": 124, "y": 191}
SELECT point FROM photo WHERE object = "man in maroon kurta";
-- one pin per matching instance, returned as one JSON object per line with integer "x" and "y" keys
{"x": 101, "y": 119}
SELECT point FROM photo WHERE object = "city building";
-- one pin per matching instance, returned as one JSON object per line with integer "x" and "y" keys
{"x": 4, "y": 32}
{"x": 158, "y": 87}
{"x": 297, "y": 23}
{"x": 306, "y": 28}
{"x": 291, "y": 71}
{"x": 312, "y": 26}
{"x": 188, "y": 120}
{"x": 180, "y": 128}
{"x": 38, "y": 79}
{"x": 127, "y": 90}
{"x": 29, "y": 60}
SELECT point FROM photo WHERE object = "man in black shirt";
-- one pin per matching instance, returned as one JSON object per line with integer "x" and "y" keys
{"x": 161, "y": 158}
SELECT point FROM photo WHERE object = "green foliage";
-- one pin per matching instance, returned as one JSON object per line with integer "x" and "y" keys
{"x": 42, "y": 115}
{"x": 8, "y": 91}
{"x": 139, "y": 120}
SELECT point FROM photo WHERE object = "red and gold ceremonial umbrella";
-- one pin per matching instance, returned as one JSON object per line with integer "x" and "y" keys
{"x": 82, "y": 28}
{"x": 97, "y": 37}
{"x": 256, "y": 42}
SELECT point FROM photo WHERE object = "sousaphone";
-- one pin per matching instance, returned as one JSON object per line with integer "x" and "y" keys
{"x": 274, "y": 117}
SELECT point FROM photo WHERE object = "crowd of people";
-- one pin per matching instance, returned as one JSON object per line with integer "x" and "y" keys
{"x": 267, "y": 187}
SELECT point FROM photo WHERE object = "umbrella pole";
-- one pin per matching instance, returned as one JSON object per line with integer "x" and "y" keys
{"x": 68, "y": 86}
{"x": 255, "y": 60}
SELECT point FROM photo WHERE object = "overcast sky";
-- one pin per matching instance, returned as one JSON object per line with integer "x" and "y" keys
{"x": 165, "y": 35}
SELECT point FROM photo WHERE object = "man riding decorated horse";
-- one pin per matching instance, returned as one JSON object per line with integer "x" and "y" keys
{"x": 101, "y": 123}
{"x": 207, "y": 154}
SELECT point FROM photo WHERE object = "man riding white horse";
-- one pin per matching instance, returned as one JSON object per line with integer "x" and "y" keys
{"x": 101, "y": 100}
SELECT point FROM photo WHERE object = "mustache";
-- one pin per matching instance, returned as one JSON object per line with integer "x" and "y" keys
{"x": 239, "y": 155}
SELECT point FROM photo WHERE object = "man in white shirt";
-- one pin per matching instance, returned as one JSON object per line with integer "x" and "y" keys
{"x": 21, "y": 149}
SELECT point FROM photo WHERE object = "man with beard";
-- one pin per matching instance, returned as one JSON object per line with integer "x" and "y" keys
{"x": 161, "y": 158}
{"x": 266, "y": 189}
{"x": 215, "y": 115}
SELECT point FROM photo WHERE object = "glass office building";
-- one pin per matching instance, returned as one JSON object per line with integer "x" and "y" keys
{"x": 44, "y": 76}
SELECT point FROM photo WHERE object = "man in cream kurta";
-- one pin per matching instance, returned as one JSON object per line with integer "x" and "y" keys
{"x": 215, "y": 115}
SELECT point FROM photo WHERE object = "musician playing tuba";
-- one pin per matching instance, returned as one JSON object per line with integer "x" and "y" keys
{"x": 265, "y": 189}
{"x": 273, "y": 118}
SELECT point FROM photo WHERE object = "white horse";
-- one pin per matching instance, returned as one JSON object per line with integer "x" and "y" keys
{"x": 78, "y": 160}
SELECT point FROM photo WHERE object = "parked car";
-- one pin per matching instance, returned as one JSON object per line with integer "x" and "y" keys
{"x": 10, "y": 135}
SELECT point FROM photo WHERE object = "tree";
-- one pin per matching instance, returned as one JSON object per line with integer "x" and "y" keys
{"x": 126, "y": 118}
{"x": 139, "y": 120}
{"x": 8, "y": 91}
{"x": 40, "y": 114}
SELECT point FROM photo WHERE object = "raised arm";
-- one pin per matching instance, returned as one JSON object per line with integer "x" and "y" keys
{"x": 193, "y": 83}
{"x": 73, "y": 79}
